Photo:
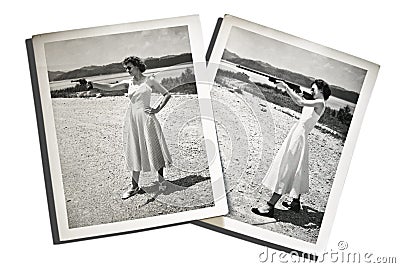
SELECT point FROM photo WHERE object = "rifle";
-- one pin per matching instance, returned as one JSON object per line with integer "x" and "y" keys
{"x": 273, "y": 79}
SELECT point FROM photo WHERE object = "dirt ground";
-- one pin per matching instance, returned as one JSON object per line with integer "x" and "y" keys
{"x": 250, "y": 132}
{"x": 89, "y": 134}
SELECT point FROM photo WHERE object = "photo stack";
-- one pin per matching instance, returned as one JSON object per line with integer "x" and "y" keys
{"x": 140, "y": 128}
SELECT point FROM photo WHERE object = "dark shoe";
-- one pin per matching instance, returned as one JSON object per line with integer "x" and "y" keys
{"x": 269, "y": 214}
{"x": 294, "y": 205}
{"x": 131, "y": 192}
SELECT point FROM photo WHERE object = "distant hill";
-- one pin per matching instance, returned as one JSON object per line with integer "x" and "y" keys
{"x": 54, "y": 74}
{"x": 287, "y": 75}
{"x": 228, "y": 55}
{"x": 117, "y": 67}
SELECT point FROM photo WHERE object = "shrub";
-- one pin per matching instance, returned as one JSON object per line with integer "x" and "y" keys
{"x": 69, "y": 92}
{"x": 176, "y": 84}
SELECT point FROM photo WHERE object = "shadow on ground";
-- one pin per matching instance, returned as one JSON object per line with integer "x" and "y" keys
{"x": 308, "y": 218}
{"x": 176, "y": 185}
{"x": 172, "y": 187}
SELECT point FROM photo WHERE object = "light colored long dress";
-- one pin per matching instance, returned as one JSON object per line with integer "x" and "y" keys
{"x": 144, "y": 143}
{"x": 289, "y": 171}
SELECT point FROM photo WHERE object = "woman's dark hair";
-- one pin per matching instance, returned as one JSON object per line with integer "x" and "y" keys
{"x": 136, "y": 61}
{"x": 322, "y": 85}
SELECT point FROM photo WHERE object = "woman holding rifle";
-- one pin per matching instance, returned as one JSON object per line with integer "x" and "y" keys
{"x": 289, "y": 172}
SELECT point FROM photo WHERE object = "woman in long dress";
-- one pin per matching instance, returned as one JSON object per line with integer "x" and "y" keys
{"x": 289, "y": 171}
{"x": 144, "y": 143}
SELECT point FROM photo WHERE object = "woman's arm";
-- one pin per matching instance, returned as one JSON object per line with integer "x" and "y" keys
{"x": 299, "y": 100}
{"x": 111, "y": 87}
{"x": 157, "y": 87}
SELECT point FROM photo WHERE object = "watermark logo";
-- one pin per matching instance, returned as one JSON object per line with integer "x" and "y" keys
{"x": 342, "y": 245}
{"x": 341, "y": 254}
{"x": 218, "y": 116}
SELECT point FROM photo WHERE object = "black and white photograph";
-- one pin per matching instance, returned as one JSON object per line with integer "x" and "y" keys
{"x": 70, "y": 198}
{"x": 287, "y": 113}
{"x": 124, "y": 131}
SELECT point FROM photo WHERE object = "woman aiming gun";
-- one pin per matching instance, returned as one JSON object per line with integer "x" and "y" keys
{"x": 289, "y": 172}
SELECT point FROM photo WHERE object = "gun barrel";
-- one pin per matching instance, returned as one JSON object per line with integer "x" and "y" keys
{"x": 273, "y": 79}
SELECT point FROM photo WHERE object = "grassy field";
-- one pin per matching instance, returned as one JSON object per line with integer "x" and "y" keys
{"x": 89, "y": 134}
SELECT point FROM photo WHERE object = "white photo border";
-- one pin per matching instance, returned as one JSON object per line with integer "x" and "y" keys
{"x": 270, "y": 237}
{"x": 196, "y": 43}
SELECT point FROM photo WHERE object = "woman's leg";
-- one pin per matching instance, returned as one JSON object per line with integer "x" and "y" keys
{"x": 135, "y": 179}
{"x": 270, "y": 203}
{"x": 294, "y": 205}
{"x": 134, "y": 189}
{"x": 161, "y": 175}
{"x": 268, "y": 210}
{"x": 296, "y": 199}
{"x": 274, "y": 199}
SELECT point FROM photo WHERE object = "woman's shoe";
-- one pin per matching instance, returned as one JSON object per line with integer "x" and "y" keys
{"x": 269, "y": 213}
{"x": 131, "y": 192}
{"x": 294, "y": 205}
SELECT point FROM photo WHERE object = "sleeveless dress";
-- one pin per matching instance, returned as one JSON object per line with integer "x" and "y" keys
{"x": 144, "y": 143}
{"x": 289, "y": 172}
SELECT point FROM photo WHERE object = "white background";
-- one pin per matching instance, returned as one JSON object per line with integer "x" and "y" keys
{"x": 369, "y": 206}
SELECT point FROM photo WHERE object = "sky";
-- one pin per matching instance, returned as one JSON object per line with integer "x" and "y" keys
{"x": 100, "y": 50}
{"x": 250, "y": 45}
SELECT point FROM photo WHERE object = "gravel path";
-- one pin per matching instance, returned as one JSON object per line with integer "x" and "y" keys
{"x": 89, "y": 134}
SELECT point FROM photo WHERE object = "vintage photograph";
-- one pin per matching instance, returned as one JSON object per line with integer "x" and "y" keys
{"x": 286, "y": 113}
{"x": 127, "y": 126}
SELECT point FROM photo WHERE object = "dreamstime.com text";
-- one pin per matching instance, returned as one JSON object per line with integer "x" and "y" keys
{"x": 339, "y": 255}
